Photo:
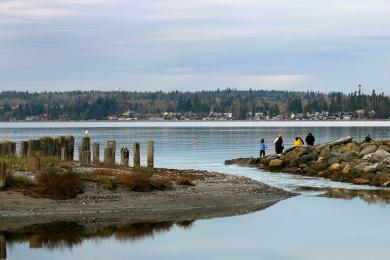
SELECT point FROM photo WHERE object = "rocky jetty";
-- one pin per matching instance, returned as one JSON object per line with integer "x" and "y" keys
{"x": 344, "y": 160}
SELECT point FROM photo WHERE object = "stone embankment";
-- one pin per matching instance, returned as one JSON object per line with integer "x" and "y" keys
{"x": 344, "y": 160}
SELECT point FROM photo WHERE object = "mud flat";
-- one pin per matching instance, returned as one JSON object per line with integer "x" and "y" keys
{"x": 210, "y": 195}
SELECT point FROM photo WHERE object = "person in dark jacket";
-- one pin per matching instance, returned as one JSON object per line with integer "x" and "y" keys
{"x": 310, "y": 139}
{"x": 279, "y": 146}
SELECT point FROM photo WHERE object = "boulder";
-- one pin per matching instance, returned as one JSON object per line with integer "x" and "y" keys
{"x": 276, "y": 164}
{"x": 379, "y": 155}
{"x": 369, "y": 168}
{"x": 382, "y": 178}
{"x": 371, "y": 148}
{"x": 333, "y": 159}
{"x": 360, "y": 181}
{"x": 334, "y": 167}
{"x": 384, "y": 148}
{"x": 308, "y": 158}
{"x": 349, "y": 156}
{"x": 343, "y": 148}
{"x": 294, "y": 163}
{"x": 368, "y": 156}
{"x": 317, "y": 166}
{"x": 294, "y": 154}
{"x": 325, "y": 151}
{"x": 347, "y": 169}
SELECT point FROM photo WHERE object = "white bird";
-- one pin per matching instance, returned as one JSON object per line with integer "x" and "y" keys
{"x": 86, "y": 132}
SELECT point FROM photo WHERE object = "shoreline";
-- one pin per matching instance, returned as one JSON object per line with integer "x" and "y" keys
{"x": 216, "y": 195}
{"x": 196, "y": 123}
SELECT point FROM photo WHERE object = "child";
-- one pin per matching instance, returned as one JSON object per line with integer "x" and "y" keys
{"x": 263, "y": 146}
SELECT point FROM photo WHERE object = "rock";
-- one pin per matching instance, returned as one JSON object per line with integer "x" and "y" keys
{"x": 325, "y": 151}
{"x": 343, "y": 148}
{"x": 369, "y": 169}
{"x": 334, "y": 167}
{"x": 360, "y": 181}
{"x": 379, "y": 155}
{"x": 317, "y": 166}
{"x": 347, "y": 169}
{"x": 276, "y": 164}
{"x": 333, "y": 160}
{"x": 308, "y": 158}
{"x": 349, "y": 156}
{"x": 294, "y": 154}
{"x": 294, "y": 163}
{"x": 382, "y": 178}
{"x": 368, "y": 157}
{"x": 368, "y": 149}
{"x": 384, "y": 148}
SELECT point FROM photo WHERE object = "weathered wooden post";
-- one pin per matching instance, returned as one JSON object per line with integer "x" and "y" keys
{"x": 136, "y": 155}
{"x": 109, "y": 160}
{"x": 112, "y": 145}
{"x": 150, "y": 154}
{"x": 3, "y": 247}
{"x": 80, "y": 152}
{"x": 3, "y": 174}
{"x": 125, "y": 157}
{"x": 96, "y": 151}
{"x": 70, "y": 145}
{"x": 23, "y": 152}
{"x": 86, "y": 151}
{"x": 64, "y": 153}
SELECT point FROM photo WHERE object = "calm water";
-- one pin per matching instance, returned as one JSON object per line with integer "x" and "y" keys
{"x": 304, "y": 227}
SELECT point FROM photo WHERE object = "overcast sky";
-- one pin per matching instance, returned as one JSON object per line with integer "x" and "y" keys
{"x": 323, "y": 45}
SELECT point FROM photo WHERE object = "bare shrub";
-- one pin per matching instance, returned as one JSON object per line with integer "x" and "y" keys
{"x": 59, "y": 183}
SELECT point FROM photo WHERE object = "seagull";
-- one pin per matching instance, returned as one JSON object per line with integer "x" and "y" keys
{"x": 86, "y": 132}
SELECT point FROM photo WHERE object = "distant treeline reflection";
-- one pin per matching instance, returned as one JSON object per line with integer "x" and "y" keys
{"x": 60, "y": 235}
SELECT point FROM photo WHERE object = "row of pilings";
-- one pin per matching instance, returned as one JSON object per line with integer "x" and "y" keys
{"x": 62, "y": 147}
{"x": 88, "y": 158}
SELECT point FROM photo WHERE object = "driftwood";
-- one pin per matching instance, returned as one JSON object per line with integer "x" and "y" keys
{"x": 333, "y": 143}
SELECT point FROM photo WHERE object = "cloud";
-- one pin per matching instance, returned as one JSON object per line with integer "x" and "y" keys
{"x": 215, "y": 43}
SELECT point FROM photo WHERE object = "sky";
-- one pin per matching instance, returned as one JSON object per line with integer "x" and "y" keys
{"x": 319, "y": 45}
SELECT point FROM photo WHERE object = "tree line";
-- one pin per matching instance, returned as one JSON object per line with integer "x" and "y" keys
{"x": 86, "y": 105}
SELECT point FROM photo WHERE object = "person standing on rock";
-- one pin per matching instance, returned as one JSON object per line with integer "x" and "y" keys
{"x": 263, "y": 146}
{"x": 279, "y": 146}
{"x": 310, "y": 139}
{"x": 298, "y": 142}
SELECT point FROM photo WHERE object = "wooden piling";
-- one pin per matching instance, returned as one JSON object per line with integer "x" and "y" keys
{"x": 3, "y": 174}
{"x": 136, "y": 155}
{"x": 109, "y": 160}
{"x": 112, "y": 145}
{"x": 80, "y": 152}
{"x": 96, "y": 153}
{"x": 85, "y": 151}
{"x": 125, "y": 157}
{"x": 23, "y": 151}
{"x": 3, "y": 247}
{"x": 70, "y": 145}
{"x": 150, "y": 154}
{"x": 86, "y": 158}
{"x": 64, "y": 154}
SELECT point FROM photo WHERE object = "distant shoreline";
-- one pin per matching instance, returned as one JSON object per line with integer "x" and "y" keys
{"x": 194, "y": 123}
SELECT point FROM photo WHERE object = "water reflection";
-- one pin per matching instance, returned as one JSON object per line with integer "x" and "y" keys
{"x": 371, "y": 196}
{"x": 66, "y": 235}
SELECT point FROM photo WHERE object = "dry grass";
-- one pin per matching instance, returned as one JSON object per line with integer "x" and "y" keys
{"x": 184, "y": 181}
{"x": 18, "y": 181}
{"x": 144, "y": 182}
{"x": 58, "y": 183}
